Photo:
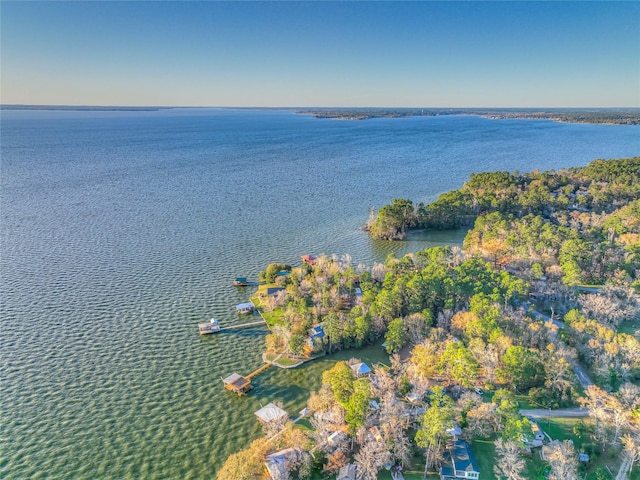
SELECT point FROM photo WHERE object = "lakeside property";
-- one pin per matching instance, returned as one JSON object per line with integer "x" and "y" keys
{"x": 471, "y": 357}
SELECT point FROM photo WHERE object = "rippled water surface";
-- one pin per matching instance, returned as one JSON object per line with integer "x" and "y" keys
{"x": 121, "y": 231}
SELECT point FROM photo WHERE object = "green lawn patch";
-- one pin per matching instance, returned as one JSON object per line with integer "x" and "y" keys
{"x": 275, "y": 317}
{"x": 286, "y": 361}
{"x": 630, "y": 328}
{"x": 270, "y": 356}
{"x": 485, "y": 453}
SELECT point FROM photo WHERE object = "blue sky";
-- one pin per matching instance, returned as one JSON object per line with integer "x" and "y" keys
{"x": 422, "y": 54}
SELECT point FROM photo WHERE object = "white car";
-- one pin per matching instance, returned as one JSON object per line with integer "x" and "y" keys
{"x": 478, "y": 391}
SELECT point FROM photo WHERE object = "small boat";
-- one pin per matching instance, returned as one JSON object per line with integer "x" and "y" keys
{"x": 211, "y": 326}
{"x": 241, "y": 282}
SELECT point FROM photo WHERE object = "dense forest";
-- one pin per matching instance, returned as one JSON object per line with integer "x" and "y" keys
{"x": 583, "y": 220}
{"x": 473, "y": 334}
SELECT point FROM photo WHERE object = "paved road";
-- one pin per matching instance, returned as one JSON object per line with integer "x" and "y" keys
{"x": 561, "y": 412}
{"x": 583, "y": 378}
{"x": 580, "y": 372}
{"x": 547, "y": 318}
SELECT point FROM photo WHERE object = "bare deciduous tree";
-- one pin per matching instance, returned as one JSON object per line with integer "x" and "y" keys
{"x": 371, "y": 458}
{"x": 631, "y": 448}
{"x": 483, "y": 420}
{"x": 563, "y": 462}
{"x": 509, "y": 464}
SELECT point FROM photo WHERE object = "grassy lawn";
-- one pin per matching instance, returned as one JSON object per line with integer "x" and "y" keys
{"x": 485, "y": 453}
{"x": 287, "y": 361}
{"x": 524, "y": 403}
{"x": 630, "y": 328}
{"x": 270, "y": 356}
{"x": 272, "y": 318}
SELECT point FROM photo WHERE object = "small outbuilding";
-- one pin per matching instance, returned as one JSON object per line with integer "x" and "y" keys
{"x": 361, "y": 369}
{"x": 212, "y": 326}
{"x": 336, "y": 437}
{"x": 270, "y": 413}
{"x": 537, "y": 437}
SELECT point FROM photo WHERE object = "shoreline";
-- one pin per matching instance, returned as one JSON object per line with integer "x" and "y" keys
{"x": 630, "y": 116}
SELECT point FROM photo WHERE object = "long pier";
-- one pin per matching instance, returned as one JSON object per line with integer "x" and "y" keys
{"x": 257, "y": 372}
{"x": 242, "y": 325}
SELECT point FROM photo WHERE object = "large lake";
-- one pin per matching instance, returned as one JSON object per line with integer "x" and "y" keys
{"x": 122, "y": 230}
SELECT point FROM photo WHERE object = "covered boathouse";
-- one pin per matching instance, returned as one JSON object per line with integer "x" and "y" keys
{"x": 237, "y": 383}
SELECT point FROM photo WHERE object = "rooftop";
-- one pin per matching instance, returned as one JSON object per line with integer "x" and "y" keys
{"x": 271, "y": 412}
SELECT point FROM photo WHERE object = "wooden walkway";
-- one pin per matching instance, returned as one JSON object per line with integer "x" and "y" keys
{"x": 231, "y": 327}
{"x": 258, "y": 371}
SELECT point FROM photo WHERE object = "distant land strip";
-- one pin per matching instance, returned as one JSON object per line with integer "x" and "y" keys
{"x": 617, "y": 116}
{"x": 82, "y": 108}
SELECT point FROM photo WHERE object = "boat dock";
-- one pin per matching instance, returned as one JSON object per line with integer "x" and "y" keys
{"x": 237, "y": 383}
{"x": 242, "y": 384}
{"x": 250, "y": 324}
{"x": 207, "y": 328}
{"x": 211, "y": 326}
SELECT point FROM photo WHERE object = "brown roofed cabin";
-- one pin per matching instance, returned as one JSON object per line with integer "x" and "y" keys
{"x": 237, "y": 383}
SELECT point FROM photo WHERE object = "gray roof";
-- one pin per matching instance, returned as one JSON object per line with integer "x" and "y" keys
{"x": 277, "y": 463}
{"x": 462, "y": 457}
{"x": 348, "y": 472}
{"x": 271, "y": 412}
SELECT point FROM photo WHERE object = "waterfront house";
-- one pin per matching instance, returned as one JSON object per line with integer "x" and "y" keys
{"x": 278, "y": 462}
{"x": 459, "y": 462}
{"x": 309, "y": 259}
{"x": 270, "y": 413}
{"x": 316, "y": 334}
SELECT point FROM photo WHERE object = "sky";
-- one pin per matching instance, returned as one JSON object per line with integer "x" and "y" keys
{"x": 322, "y": 54}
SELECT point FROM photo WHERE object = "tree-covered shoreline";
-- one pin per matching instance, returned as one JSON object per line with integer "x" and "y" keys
{"x": 611, "y": 116}
{"x": 475, "y": 345}
{"x": 581, "y": 219}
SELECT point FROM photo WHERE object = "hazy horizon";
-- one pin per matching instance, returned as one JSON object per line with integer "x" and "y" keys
{"x": 322, "y": 54}
{"x": 299, "y": 107}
